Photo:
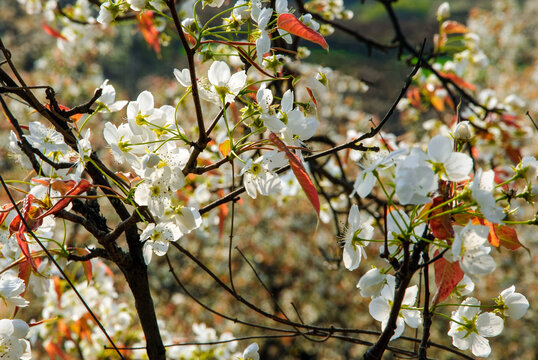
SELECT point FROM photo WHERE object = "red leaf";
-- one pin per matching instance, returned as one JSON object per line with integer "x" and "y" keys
{"x": 457, "y": 80}
{"x": 505, "y": 236}
{"x": 447, "y": 276}
{"x": 299, "y": 171}
{"x": 288, "y": 22}
{"x": 454, "y": 27}
{"x": 441, "y": 225}
{"x": 311, "y": 94}
{"x": 52, "y": 32}
{"x": 149, "y": 31}
{"x": 86, "y": 265}
{"x": 81, "y": 187}
{"x": 223, "y": 212}
{"x": 54, "y": 352}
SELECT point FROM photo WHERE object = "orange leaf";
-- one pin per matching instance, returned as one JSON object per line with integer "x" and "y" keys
{"x": 54, "y": 351}
{"x": 437, "y": 103}
{"x": 149, "y": 31}
{"x": 447, "y": 276}
{"x": 505, "y": 236}
{"x": 299, "y": 171}
{"x": 86, "y": 265}
{"x": 441, "y": 225}
{"x": 224, "y": 147}
{"x": 453, "y": 27}
{"x": 457, "y": 80}
{"x": 83, "y": 186}
{"x": 288, "y": 22}
{"x": 52, "y": 32}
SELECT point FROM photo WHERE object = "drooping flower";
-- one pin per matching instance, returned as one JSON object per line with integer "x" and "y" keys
{"x": 157, "y": 238}
{"x": 512, "y": 304}
{"x": 356, "y": 239}
{"x": 107, "y": 100}
{"x": 251, "y": 352}
{"x": 380, "y": 308}
{"x": 482, "y": 188}
{"x": 372, "y": 282}
{"x": 469, "y": 249}
{"x": 11, "y": 288}
{"x": 470, "y": 329}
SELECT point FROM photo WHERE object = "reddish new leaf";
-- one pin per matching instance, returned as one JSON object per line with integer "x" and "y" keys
{"x": 441, "y": 225}
{"x": 54, "y": 351}
{"x": 454, "y": 27}
{"x": 52, "y": 32}
{"x": 502, "y": 235}
{"x": 457, "y": 80}
{"x": 311, "y": 94}
{"x": 447, "y": 276}
{"x": 288, "y": 22}
{"x": 299, "y": 171}
{"x": 86, "y": 265}
{"x": 149, "y": 31}
{"x": 81, "y": 187}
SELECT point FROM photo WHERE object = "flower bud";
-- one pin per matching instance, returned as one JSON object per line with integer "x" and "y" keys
{"x": 443, "y": 11}
{"x": 463, "y": 131}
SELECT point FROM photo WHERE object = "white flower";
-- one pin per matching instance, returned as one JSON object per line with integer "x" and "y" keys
{"x": 157, "y": 238}
{"x": 251, "y": 352}
{"x": 13, "y": 346}
{"x": 372, "y": 162}
{"x": 183, "y": 76}
{"x": 462, "y": 132}
{"x": 468, "y": 248}
{"x": 528, "y": 168}
{"x": 264, "y": 97}
{"x": 371, "y": 283}
{"x": 380, "y": 307}
{"x": 469, "y": 330}
{"x": 464, "y": 287}
{"x": 214, "y": 3}
{"x": 155, "y": 192}
{"x": 263, "y": 43}
{"x": 11, "y": 288}
{"x": 107, "y": 100}
{"x": 227, "y": 86}
{"x": 186, "y": 217}
{"x": 46, "y": 140}
{"x": 415, "y": 179}
{"x": 354, "y": 238}
{"x": 258, "y": 176}
{"x": 512, "y": 304}
{"x": 453, "y": 166}
{"x": 122, "y": 140}
{"x": 443, "y": 11}
{"x": 482, "y": 187}
{"x": 298, "y": 127}
{"x": 137, "y": 5}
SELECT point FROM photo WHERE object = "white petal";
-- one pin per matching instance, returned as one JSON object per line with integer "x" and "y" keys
{"x": 458, "y": 166}
{"x": 379, "y": 309}
{"x": 439, "y": 148}
{"x": 219, "y": 73}
{"x": 479, "y": 345}
{"x": 354, "y": 218}
{"x": 351, "y": 257}
{"x": 489, "y": 324}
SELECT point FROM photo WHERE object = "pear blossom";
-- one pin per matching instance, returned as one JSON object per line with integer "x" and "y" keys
{"x": 155, "y": 191}
{"x": 380, "y": 307}
{"x": 258, "y": 175}
{"x": 137, "y": 5}
{"x": 298, "y": 127}
{"x": 470, "y": 329}
{"x": 468, "y": 248}
{"x": 223, "y": 84}
{"x": 213, "y": 3}
{"x": 107, "y": 100}
{"x": 443, "y": 11}
{"x": 251, "y": 352}
{"x": 453, "y": 166}
{"x": 263, "y": 43}
{"x": 11, "y": 288}
{"x": 355, "y": 236}
{"x": 47, "y": 140}
{"x": 462, "y": 132}
{"x": 482, "y": 188}
{"x": 183, "y": 77}
{"x": 528, "y": 168}
{"x": 372, "y": 282}
{"x": 372, "y": 161}
{"x": 264, "y": 97}
{"x": 464, "y": 287}
{"x": 157, "y": 238}
{"x": 187, "y": 218}
{"x": 123, "y": 142}
{"x": 13, "y": 345}
{"x": 415, "y": 179}
{"x": 512, "y": 304}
